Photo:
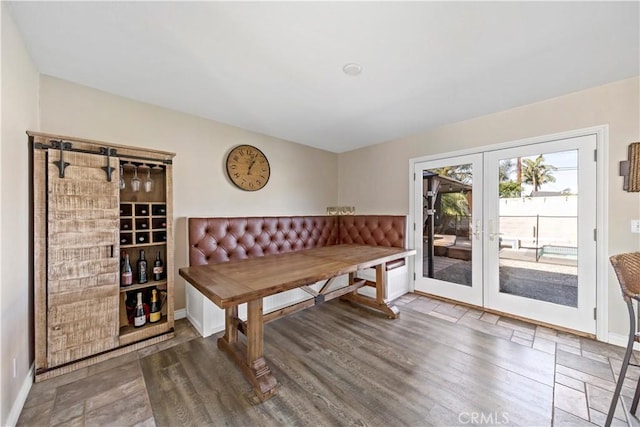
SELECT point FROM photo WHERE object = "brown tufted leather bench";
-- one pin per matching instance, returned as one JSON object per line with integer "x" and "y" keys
{"x": 214, "y": 240}
{"x": 220, "y": 239}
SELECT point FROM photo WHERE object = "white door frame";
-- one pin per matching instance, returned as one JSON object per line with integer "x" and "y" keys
{"x": 602, "y": 211}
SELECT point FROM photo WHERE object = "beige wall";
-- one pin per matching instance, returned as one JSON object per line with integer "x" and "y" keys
{"x": 385, "y": 167}
{"x": 303, "y": 179}
{"x": 19, "y": 112}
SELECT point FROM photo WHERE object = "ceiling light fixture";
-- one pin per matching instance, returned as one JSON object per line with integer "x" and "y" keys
{"x": 352, "y": 69}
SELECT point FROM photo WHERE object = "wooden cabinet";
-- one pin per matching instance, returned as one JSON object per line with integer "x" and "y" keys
{"x": 85, "y": 216}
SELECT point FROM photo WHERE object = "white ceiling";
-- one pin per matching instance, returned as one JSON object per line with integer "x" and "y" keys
{"x": 276, "y": 67}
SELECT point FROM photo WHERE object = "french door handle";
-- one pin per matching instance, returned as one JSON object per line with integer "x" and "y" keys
{"x": 477, "y": 230}
{"x": 492, "y": 234}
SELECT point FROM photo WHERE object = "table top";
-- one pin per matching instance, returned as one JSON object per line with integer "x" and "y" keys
{"x": 235, "y": 282}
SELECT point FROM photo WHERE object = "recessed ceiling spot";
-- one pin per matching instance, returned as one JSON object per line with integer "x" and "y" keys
{"x": 352, "y": 69}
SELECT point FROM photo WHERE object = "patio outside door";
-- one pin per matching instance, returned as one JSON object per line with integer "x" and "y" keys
{"x": 512, "y": 230}
{"x": 541, "y": 261}
{"x": 449, "y": 260}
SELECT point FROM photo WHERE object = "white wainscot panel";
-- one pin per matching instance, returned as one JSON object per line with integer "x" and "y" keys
{"x": 397, "y": 282}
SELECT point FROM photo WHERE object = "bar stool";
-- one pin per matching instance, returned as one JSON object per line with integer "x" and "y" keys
{"x": 627, "y": 268}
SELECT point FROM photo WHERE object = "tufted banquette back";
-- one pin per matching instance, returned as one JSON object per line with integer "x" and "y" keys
{"x": 375, "y": 230}
{"x": 214, "y": 240}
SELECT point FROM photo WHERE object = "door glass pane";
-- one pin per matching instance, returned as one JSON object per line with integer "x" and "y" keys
{"x": 538, "y": 227}
{"x": 447, "y": 223}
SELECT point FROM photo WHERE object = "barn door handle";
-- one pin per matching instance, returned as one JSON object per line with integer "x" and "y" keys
{"x": 62, "y": 165}
{"x": 105, "y": 151}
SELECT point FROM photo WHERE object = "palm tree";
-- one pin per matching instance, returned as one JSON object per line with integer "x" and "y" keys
{"x": 507, "y": 186}
{"x": 536, "y": 172}
{"x": 505, "y": 168}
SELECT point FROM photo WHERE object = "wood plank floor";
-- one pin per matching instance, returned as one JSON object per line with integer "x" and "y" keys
{"x": 337, "y": 364}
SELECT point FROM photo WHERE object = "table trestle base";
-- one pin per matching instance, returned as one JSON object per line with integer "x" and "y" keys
{"x": 379, "y": 302}
{"x": 252, "y": 363}
{"x": 241, "y": 325}
{"x": 323, "y": 263}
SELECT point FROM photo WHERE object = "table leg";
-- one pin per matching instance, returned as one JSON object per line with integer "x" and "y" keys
{"x": 378, "y": 302}
{"x": 381, "y": 293}
{"x": 265, "y": 383}
{"x": 249, "y": 358}
{"x": 230, "y": 328}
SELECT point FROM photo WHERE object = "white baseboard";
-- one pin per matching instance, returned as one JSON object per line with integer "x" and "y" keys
{"x": 180, "y": 314}
{"x": 18, "y": 404}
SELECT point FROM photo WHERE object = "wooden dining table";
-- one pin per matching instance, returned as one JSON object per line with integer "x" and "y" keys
{"x": 231, "y": 283}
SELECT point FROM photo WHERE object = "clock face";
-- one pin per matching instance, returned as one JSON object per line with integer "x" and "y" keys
{"x": 248, "y": 168}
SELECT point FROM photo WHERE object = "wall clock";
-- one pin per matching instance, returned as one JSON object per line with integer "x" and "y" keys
{"x": 248, "y": 167}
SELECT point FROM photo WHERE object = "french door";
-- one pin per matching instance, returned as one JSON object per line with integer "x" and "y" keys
{"x": 449, "y": 258}
{"x": 512, "y": 230}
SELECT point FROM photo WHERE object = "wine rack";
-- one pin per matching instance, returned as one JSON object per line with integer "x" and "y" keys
{"x": 144, "y": 216}
{"x": 141, "y": 225}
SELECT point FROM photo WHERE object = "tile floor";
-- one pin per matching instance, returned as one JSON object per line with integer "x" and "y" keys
{"x": 585, "y": 370}
{"x": 585, "y": 375}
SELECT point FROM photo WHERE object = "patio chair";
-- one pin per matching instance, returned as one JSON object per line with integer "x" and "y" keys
{"x": 627, "y": 268}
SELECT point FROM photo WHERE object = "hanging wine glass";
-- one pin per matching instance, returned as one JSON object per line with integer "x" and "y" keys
{"x": 122, "y": 183}
{"x": 135, "y": 181}
{"x": 148, "y": 183}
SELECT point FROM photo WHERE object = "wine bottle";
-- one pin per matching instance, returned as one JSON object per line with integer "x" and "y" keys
{"x": 142, "y": 268}
{"x": 126, "y": 274}
{"x": 155, "y": 314}
{"x": 158, "y": 268}
{"x": 139, "y": 318}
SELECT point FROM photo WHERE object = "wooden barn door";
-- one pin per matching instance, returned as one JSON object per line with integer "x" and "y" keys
{"x": 83, "y": 256}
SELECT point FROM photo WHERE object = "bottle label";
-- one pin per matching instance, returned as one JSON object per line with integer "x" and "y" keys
{"x": 127, "y": 279}
{"x": 154, "y": 317}
{"x": 158, "y": 270}
{"x": 142, "y": 274}
{"x": 139, "y": 321}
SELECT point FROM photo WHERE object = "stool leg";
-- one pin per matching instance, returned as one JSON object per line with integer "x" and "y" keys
{"x": 636, "y": 398}
{"x": 625, "y": 364}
